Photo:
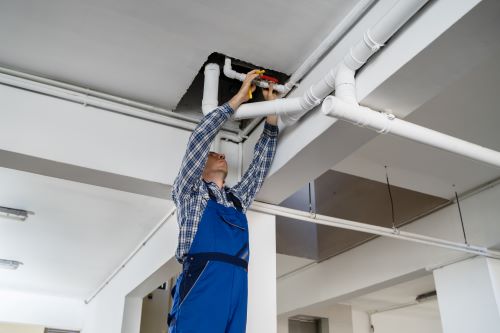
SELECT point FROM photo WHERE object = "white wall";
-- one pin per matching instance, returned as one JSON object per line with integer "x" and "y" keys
{"x": 407, "y": 321}
{"x": 153, "y": 316}
{"x": 43, "y": 310}
{"x": 360, "y": 321}
{"x": 105, "y": 312}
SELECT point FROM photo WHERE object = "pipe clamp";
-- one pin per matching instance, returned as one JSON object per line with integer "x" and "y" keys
{"x": 370, "y": 42}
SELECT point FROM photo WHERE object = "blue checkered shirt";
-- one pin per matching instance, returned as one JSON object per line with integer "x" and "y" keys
{"x": 190, "y": 191}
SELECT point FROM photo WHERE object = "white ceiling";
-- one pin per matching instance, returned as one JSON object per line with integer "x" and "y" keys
{"x": 286, "y": 264}
{"x": 151, "y": 50}
{"x": 399, "y": 294}
{"x": 79, "y": 234}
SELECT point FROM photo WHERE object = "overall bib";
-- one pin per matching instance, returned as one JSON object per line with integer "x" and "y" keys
{"x": 211, "y": 293}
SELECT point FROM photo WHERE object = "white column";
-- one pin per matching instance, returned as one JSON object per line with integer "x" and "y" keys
{"x": 468, "y": 296}
{"x": 131, "y": 322}
{"x": 282, "y": 324}
{"x": 360, "y": 322}
{"x": 262, "y": 310}
{"x": 340, "y": 319}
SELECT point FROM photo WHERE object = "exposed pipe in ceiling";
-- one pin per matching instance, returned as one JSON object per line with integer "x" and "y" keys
{"x": 372, "y": 229}
{"x": 232, "y": 74}
{"x": 333, "y": 37}
{"x": 210, "y": 88}
{"x": 103, "y": 101}
{"x": 388, "y": 123}
{"x": 372, "y": 40}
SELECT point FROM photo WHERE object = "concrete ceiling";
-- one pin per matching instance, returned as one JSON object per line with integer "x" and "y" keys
{"x": 151, "y": 50}
{"x": 398, "y": 294}
{"x": 286, "y": 264}
{"x": 79, "y": 234}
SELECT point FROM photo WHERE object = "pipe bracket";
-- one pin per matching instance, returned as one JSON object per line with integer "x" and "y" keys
{"x": 388, "y": 125}
{"x": 373, "y": 45}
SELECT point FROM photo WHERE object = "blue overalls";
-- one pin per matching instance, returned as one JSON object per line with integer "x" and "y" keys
{"x": 211, "y": 293}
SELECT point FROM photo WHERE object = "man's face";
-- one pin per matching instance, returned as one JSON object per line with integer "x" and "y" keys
{"x": 216, "y": 163}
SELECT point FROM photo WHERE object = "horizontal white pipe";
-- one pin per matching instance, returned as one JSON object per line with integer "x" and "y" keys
{"x": 371, "y": 229}
{"x": 104, "y": 104}
{"x": 260, "y": 109}
{"x": 90, "y": 92}
{"x": 387, "y": 123}
{"x": 210, "y": 88}
{"x": 132, "y": 255}
{"x": 232, "y": 74}
{"x": 326, "y": 44}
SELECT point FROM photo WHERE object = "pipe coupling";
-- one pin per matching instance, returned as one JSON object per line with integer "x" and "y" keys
{"x": 309, "y": 100}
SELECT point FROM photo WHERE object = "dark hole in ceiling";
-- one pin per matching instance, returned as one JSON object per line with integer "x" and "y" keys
{"x": 191, "y": 100}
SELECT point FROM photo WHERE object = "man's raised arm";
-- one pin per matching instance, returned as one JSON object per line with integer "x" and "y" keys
{"x": 196, "y": 155}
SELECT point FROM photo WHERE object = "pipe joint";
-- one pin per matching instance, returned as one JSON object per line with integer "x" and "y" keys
{"x": 386, "y": 124}
{"x": 351, "y": 61}
{"x": 309, "y": 100}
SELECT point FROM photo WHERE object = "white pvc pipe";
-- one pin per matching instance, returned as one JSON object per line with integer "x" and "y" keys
{"x": 371, "y": 42}
{"x": 375, "y": 37}
{"x": 333, "y": 37}
{"x": 232, "y": 74}
{"x": 387, "y": 123}
{"x": 98, "y": 94}
{"x": 372, "y": 229}
{"x": 82, "y": 98}
{"x": 210, "y": 88}
{"x": 261, "y": 109}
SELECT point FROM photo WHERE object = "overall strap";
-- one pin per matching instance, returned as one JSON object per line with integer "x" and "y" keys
{"x": 236, "y": 202}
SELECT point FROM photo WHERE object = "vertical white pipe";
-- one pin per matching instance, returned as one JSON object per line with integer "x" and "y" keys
{"x": 210, "y": 88}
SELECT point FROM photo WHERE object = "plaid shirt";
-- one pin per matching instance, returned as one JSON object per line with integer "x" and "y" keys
{"x": 190, "y": 191}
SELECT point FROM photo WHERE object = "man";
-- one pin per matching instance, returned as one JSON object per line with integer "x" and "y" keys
{"x": 211, "y": 293}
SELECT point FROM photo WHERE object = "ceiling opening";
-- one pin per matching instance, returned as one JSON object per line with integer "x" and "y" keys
{"x": 191, "y": 100}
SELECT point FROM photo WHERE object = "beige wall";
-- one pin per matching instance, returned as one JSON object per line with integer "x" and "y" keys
{"x": 154, "y": 312}
{"x": 20, "y": 328}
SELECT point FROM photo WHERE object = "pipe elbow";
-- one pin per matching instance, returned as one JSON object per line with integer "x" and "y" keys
{"x": 227, "y": 70}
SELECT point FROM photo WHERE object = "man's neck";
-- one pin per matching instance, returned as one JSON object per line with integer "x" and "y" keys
{"x": 214, "y": 179}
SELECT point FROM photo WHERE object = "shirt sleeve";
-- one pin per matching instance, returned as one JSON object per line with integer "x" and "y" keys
{"x": 188, "y": 180}
{"x": 263, "y": 155}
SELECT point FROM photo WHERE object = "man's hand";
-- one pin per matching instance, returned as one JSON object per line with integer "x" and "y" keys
{"x": 247, "y": 85}
{"x": 269, "y": 95}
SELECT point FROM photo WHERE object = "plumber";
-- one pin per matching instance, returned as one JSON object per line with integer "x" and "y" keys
{"x": 211, "y": 292}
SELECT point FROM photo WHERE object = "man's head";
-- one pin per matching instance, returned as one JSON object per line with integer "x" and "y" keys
{"x": 216, "y": 167}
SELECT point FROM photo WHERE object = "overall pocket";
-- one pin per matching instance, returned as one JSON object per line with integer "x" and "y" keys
{"x": 233, "y": 221}
{"x": 192, "y": 275}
